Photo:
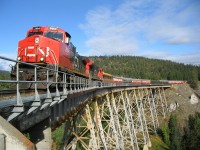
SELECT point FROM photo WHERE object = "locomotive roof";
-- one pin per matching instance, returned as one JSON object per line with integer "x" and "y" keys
{"x": 48, "y": 28}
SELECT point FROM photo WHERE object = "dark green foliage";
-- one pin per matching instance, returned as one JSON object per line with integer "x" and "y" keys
{"x": 57, "y": 136}
{"x": 188, "y": 139}
{"x": 174, "y": 135}
{"x": 191, "y": 138}
{"x": 144, "y": 68}
{"x": 193, "y": 84}
{"x": 4, "y": 75}
{"x": 165, "y": 133}
{"x": 185, "y": 140}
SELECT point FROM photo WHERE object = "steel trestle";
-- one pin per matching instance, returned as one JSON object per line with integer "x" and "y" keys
{"x": 121, "y": 119}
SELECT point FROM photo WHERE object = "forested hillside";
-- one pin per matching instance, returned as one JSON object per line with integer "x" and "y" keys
{"x": 140, "y": 67}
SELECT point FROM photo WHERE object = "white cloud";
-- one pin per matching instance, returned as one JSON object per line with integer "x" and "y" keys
{"x": 5, "y": 64}
{"x": 189, "y": 58}
{"x": 155, "y": 54}
{"x": 186, "y": 59}
{"x": 108, "y": 34}
{"x": 133, "y": 24}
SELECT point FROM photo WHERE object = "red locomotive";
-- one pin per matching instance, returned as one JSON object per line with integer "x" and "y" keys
{"x": 51, "y": 47}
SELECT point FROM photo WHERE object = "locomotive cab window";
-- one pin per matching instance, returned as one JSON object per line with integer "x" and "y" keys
{"x": 34, "y": 33}
{"x": 55, "y": 35}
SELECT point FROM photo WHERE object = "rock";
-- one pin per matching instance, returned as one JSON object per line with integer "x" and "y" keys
{"x": 173, "y": 106}
{"x": 194, "y": 99}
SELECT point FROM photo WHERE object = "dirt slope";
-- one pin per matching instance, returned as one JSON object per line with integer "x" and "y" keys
{"x": 183, "y": 101}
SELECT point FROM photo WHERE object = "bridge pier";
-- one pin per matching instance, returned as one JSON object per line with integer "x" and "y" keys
{"x": 12, "y": 139}
{"x": 40, "y": 135}
{"x": 145, "y": 147}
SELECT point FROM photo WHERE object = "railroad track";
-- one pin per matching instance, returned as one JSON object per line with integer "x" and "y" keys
{"x": 6, "y": 92}
{"x": 9, "y": 94}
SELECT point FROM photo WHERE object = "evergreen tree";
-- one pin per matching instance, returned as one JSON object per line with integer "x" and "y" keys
{"x": 175, "y": 136}
{"x": 184, "y": 141}
{"x": 165, "y": 133}
{"x": 193, "y": 134}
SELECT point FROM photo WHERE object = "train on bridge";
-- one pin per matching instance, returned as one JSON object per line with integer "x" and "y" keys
{"x": 51, "y": 47}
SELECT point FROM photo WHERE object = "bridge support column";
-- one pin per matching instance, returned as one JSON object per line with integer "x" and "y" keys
{"x": 98, "y": 123}
{"x": 145, "y": 147}
{"x": 116, "y": 119}
{"x": 13, "y": 139}
{"x": 40, "y": 135}
{"x": 130, "y": 121}
{"x": 141, "y": 125}
{"x": 153, "y": 110}
{"x": 161, "y": 104}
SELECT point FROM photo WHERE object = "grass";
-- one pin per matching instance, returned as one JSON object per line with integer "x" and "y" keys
{"x": 57, "y": 136}
{"x": 157, "y": 143}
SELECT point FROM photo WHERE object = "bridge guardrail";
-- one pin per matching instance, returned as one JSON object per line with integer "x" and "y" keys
{"x": 69, "y": 83}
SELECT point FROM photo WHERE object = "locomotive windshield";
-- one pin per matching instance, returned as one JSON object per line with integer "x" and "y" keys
{"x": 54, "y": 35}
{"x": 34, "y": 33}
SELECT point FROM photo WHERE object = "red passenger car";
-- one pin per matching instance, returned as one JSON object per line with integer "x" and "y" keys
{"x": 176, "y": 82}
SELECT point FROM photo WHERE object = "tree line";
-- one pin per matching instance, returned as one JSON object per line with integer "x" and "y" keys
{"x": 145, "y": 68}
{"x": 5, "y": 75}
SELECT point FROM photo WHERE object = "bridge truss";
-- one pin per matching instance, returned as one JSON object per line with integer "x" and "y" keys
{"x": 118, "y": 119}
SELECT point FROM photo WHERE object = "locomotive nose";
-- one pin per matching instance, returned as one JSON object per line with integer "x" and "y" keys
{"x": 32, "y": 49}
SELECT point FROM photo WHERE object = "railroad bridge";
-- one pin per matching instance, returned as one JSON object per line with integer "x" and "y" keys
{"x": 97, "y": 115}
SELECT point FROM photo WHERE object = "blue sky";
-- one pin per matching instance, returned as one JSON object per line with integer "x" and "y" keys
{"x": 162, "y": 29}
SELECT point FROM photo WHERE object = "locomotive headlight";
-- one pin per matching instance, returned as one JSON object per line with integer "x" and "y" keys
{"x": 37, "y": 40}
{"x": 41, "y": 59}
{"x": 18, "y": 58}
